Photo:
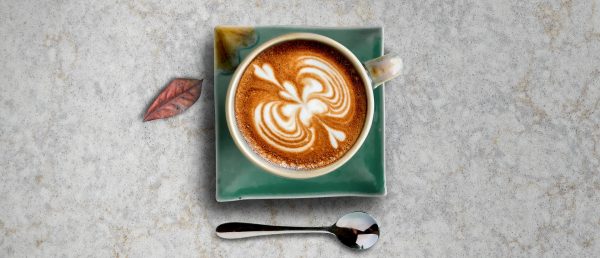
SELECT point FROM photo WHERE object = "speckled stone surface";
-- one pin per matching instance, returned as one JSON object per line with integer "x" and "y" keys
{"x": 493, "y": 134}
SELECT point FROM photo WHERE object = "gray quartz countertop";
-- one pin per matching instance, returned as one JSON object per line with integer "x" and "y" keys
{"x": 492, "y": 134}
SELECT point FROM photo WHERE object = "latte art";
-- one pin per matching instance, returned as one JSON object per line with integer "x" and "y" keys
{"x": 289, "y": 123}
{"x": 300, "y": 105}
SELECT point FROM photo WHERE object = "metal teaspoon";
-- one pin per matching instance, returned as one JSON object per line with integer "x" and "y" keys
{"x": 356, "y": 230}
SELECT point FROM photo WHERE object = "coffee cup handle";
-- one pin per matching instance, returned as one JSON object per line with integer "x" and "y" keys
{"x": 384, "y": 68}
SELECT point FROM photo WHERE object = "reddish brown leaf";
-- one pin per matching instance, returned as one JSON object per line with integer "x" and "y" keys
{"x": 178, "y": 96}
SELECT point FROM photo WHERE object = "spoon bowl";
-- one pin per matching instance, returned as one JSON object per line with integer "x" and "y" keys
{"x": 357, "y": 230}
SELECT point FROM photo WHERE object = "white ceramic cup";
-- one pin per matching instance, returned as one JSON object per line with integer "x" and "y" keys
{"x": 373, "y": 73}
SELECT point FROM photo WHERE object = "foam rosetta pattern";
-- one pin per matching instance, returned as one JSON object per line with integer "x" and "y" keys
{"x": 305, "y": 108}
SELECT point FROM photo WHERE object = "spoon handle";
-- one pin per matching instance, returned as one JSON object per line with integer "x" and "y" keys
{"x": 236, "y": 230}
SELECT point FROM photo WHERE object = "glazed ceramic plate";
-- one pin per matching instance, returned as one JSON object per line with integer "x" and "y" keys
{"x": 239, "y": 179}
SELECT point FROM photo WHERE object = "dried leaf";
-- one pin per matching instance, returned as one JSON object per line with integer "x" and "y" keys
{"x": 178, "y": 96}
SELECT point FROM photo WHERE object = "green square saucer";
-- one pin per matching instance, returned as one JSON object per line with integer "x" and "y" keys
{"x": 239, "y": 179}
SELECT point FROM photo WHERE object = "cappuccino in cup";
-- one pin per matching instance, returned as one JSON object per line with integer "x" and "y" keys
{"x": 300, "y": 104}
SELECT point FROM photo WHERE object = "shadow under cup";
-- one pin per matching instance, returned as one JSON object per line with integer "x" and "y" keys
{"x": 264, "y": 163}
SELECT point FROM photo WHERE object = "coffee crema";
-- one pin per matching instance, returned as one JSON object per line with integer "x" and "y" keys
{"x": 300, "y": 104}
